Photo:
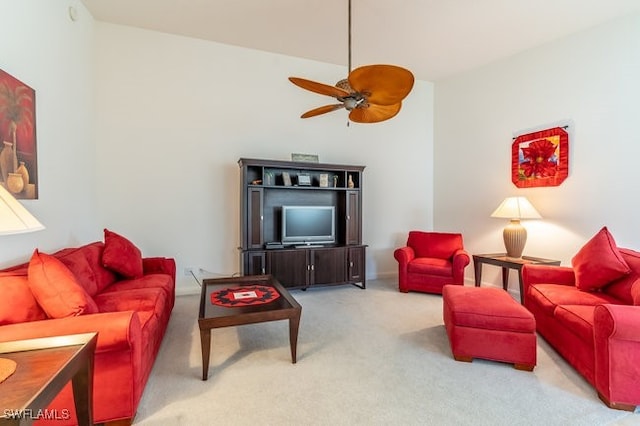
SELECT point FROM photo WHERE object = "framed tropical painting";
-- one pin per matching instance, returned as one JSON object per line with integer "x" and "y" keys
{"x": 18, "y": 159}
{"x": 540, "y": 158}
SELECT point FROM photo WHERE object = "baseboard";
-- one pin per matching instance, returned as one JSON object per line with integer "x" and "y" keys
{"x": 187, "y": 289}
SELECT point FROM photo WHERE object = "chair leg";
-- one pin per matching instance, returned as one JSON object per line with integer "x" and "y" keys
{"x": 523, "y": 367}
{"x": 616, "y": 405}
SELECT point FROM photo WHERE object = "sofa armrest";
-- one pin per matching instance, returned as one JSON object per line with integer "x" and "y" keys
{"x": 116, "y": 330}
{"x": 548, "y": 274}
{"x": 460, "y": 259}
{"x": 620, "y": 322}
{"x": 159, "y": 265}
{"x": 404, "y": 255}
{"x": 617, "y": 350}
{"x": 459, "y": 262}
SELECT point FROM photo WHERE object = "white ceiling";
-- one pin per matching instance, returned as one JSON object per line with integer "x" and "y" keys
{"x": 433, "y": 38}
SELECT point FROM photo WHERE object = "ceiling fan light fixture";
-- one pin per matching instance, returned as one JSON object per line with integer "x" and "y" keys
{"x": 350, "y": 103}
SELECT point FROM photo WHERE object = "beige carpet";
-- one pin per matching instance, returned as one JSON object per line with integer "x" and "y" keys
{"x": 365, "y": 357}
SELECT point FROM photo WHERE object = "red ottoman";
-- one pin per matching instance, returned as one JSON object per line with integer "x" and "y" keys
{"x": 487, "y": 323}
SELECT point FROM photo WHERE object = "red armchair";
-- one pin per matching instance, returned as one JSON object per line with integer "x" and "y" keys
{"x": 430, "y": 260}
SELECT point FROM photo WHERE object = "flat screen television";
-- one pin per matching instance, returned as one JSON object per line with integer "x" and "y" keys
{"x": 308, "y": 225}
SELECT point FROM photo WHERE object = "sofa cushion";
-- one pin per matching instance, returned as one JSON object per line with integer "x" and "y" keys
{"x": 430, "y": 266}
{"x": 598, "y": 262}
{"x": 75, "y": 260}
{"x": 86, "y": 264}
{"x": 55, "y": 288}
{"x": 622, "y": 287}
{"x": 161, "y": 281}
{"x": 549, "y": 296}
{"x": 121, "y": 255}
{"x": 578, "y": 319}
{"x": 17, "y": 303}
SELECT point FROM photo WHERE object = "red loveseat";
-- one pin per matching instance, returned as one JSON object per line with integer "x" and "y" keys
{"x": 128, "y": 302}
{"x": 590, "y": 313}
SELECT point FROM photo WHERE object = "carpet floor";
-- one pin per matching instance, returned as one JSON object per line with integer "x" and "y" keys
{"x": 365, "y": 357}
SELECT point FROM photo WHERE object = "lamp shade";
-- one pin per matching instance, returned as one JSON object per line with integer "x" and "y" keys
{"x": 14, "y": 218}
{"x": 516, "y": 208}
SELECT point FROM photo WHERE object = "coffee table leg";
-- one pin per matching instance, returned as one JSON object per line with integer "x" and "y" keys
{"x": 82, "y": 384}
{"x": 205, "y": 341}
{"x": 294, "y": 324}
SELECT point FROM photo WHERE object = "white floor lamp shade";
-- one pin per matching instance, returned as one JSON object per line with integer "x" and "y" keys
{"x": 14, "y": 218}
{"x": 514, "y": 234}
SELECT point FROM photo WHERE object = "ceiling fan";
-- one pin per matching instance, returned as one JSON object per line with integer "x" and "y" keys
{"x": 371, "y": 93}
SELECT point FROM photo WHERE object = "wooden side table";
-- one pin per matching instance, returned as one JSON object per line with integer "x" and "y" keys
{"x": 45, "y": 366}
{"x": 506, "y": 263}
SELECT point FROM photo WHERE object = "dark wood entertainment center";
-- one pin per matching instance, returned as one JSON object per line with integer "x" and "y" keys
{"x": 265, "y": 188}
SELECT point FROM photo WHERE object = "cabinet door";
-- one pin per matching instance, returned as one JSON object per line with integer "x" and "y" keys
{"x": 254, "y": 263}
{"x": 328, "y": 266}
{"x": 356, "y": 265}
{"x": 290, "y": 267}
{"x": 255, "y": 218}
{"x": 353, "y": 228}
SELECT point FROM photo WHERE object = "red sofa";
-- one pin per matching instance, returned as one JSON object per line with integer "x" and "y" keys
{"x": 592, "y": 320}
{"x": 128, "y": 302}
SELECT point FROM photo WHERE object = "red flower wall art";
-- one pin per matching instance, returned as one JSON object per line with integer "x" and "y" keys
{"x": 540, "y": 158}
{"x": 18, "y": 160}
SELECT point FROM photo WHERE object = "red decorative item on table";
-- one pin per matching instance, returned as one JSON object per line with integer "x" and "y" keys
{"x": 244, "y": 296}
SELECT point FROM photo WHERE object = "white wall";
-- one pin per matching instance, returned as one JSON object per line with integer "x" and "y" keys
{"x": 43, "y": 48}
{"x": 174, "y": 114}
{"x": 590, "y": 79}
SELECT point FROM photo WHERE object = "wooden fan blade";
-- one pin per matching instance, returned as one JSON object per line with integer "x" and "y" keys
{"x": 374, "y": 113}
{"x": 382, "y": 84}
{"x": 321, "y": 110}
{"x": 323, "y": 89}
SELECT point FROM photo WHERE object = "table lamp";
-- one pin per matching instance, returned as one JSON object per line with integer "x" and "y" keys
{"x": 514, "y": 234}
{"x": 14, "y": 219}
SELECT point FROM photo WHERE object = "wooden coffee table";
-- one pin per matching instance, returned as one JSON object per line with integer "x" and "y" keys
{"x": 44, "y": 367}
{"x": 241, "y": 311}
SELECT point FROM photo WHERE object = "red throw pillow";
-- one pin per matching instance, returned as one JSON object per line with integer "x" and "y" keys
{"x": 121, "y": 255}
{"x": 598, "y": 262}
{"x": 56, "y": 289}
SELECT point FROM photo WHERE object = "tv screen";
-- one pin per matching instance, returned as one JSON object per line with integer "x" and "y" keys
{"x": 308, "y": 224}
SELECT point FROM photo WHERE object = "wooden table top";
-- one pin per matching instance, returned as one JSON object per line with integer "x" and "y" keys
{"x": 44, "y": 366}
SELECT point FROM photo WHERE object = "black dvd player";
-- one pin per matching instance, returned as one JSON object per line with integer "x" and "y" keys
{"x": 274, "y": 245}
